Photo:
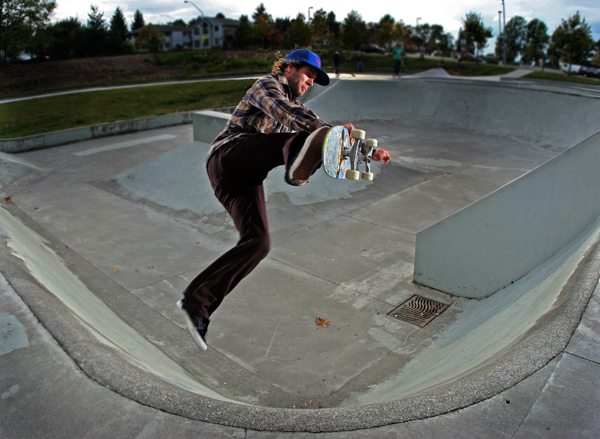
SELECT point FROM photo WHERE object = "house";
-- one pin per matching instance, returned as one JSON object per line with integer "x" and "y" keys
{"x": 208, "y": 33}
{"x": 204, "y": 33}
{"x": 174, "y": 36}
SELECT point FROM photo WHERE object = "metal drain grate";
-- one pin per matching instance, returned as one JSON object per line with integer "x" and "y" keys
{"x": 418, "y": 310}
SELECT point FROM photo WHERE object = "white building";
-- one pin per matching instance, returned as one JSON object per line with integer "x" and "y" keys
{"x": 205, "y": 33}
{"x": 208, "y": 33}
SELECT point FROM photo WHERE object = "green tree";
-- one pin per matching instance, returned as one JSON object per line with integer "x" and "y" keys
{"x": 19, "y": 20}
{"x": 385, "y": 33}
{"x": 260, "y": 10}
{"x": 475, "y": 34}
{"x": 149, "y": 39}
{"x": 282, "y": 24}
{"x": 179, "y": 22}
{"x": 41, "y": 42}
{"x": 320, "y": 27}
{"x": 596, "y": 58}
{"x": 439, "y": 41}
{"x": 138, "y": 20}
{"x": 299, "y": 33}
{"x": 334, "y": 26}
{"x": 354, "y": 30}
{"x": 515, "y": 33}
{"x": 243, "y": 33}
{"x": 421, "y": 37}
{"x": 263, "y": 27}
{"x": 118, "y": 33}
{"x": 536, "y": 43}
{"x": 68, "y": 39}
{"x": 573, "y": 41}
{"x": 97, "y": 33}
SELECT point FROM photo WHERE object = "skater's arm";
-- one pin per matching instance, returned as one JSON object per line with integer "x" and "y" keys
{"x": 271, "y": 98}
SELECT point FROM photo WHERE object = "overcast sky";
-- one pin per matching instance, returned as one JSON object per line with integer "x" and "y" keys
{"x": 447, "y": 13}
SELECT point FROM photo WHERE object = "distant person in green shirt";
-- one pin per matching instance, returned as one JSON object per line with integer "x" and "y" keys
{"x": 397, "y": 59}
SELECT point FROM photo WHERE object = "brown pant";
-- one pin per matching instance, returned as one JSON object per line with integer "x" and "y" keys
{"x": 237, "y": 171}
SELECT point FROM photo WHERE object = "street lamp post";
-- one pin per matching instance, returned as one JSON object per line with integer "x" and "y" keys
{"x": 418, "y": 18}
{"x": 194, "y": 5}
{"x": 504, "y": 25}
{"x": 201, "y": 13}
{"x": 310, "y": 7}
{"x": 499, "y": 26}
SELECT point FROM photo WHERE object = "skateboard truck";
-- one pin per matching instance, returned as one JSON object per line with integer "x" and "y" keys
{"x": 361, "y": 151}
{"x": 367, "y": 153}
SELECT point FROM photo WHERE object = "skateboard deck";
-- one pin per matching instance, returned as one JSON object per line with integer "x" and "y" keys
{"x": 341, "y": 158}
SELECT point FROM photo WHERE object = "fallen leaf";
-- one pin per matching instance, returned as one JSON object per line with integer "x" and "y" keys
{"x": 115, "y": 271}
{"x": 74, "y": 262}
{"x": 322, "y": 322}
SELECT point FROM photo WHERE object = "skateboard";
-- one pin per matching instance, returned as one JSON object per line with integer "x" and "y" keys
{"x": 341, "y": 159}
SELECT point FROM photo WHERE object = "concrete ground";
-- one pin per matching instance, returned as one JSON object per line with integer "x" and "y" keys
{"x": 114, "y": 229}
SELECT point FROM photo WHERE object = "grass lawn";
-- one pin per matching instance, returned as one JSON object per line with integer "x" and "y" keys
{"x": 561, "y": 77}
{"x": 55, "y": 113}
{"x": 415, "y": 64}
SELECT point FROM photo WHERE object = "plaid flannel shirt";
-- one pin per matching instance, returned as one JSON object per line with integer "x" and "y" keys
{"x": 268, "y": 107}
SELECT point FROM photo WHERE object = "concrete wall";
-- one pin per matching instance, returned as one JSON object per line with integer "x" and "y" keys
{"x": 48, "y": 140}
{"x": 524, "y": 112}
{"x": 500, "y": 238}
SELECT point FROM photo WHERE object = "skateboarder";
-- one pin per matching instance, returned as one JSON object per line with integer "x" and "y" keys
{"x": 269, "y": 128}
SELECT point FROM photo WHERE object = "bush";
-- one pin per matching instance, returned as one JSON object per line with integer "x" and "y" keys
{"x": 192, "y": 66}
{"x": 240, "y": 64}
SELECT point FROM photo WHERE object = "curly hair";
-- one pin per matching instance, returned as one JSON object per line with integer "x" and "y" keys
{"x": 280, "y": 65}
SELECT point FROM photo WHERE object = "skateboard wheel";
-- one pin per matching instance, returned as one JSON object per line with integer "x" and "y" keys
{"x": 367, "y": 176}
{"x": 358, "y": 134}
{"x": 371, "y": 143}
{"x": 351, "y": 174}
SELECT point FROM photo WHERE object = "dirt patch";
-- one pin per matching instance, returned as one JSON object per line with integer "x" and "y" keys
{"x": 41, "y": 77}
{"x": 53, "y": 75}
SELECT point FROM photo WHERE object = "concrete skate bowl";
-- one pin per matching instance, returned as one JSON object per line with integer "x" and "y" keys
{"x": 509, "y": 313}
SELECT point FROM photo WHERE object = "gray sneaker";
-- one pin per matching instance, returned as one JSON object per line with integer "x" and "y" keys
{"x": 196, "y": 325}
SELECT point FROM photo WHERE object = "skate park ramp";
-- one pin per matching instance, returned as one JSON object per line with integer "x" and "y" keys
{"x": 115, "y": 228}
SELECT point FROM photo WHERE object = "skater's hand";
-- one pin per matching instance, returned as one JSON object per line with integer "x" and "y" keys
{"x": 382, "y": 155}
{"x": 350, "y": 127}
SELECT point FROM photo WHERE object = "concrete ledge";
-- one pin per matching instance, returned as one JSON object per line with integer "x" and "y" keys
{"x": 208, "y": 124}
{"x": 48, "y": 140}
{"x": 502, "y": 237}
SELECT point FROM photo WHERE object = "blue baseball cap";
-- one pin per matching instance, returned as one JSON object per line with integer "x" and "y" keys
{"x": 313, "y": 60}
